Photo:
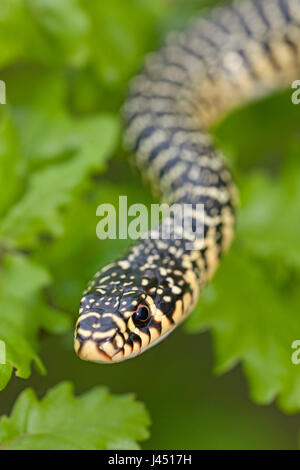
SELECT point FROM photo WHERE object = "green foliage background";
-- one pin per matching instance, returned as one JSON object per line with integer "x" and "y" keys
{"x": 66, "y": 65}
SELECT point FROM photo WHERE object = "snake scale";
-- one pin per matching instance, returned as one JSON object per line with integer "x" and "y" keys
{"x": 232, "y": 54}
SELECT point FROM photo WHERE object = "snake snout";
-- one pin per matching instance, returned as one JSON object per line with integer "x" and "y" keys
{"x": 98, "y": 336}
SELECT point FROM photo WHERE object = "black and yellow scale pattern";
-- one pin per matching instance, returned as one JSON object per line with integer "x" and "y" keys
{"x": 234, "y": 54}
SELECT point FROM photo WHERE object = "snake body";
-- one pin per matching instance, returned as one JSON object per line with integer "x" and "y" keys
{"x": 234, "y": 54}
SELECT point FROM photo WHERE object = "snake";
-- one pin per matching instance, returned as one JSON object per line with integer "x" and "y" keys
{"x": 228, "y": 56}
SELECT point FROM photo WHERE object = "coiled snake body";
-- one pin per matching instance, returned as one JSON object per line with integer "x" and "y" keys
{"x": 235, "y": 54}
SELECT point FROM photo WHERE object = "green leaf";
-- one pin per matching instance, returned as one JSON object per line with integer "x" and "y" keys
{"x": 269, "y": 221}
{"x": 44, "y": 127}
{"x": 119, "y": 35}
{"x": 13, "y": 31}
{"x": 64, "y": 27}
{"x": 22, "y": 313}
{"x": 5, "y": 374}
{"x": 51, "y": 188}
{"x": 94, "y": 420}
{"x": 9, "y": 160}
{"x": 254, "y": 320}
{"x": 43, "y": 31}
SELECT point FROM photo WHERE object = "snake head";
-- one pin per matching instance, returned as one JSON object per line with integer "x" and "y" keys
{"x": 112, "y": 331}
{"x": 124, "y": 312}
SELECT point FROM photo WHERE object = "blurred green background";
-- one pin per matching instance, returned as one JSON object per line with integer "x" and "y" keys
{"x": 66, "y": 66}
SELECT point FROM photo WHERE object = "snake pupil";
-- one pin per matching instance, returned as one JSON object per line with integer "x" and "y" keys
{"x": 141, "y": 315}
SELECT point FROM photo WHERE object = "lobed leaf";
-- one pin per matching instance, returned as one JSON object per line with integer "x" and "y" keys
{"x": 23, "y": 312}
{"x": 95, "y": 420}
{"x": 51, "y": 188}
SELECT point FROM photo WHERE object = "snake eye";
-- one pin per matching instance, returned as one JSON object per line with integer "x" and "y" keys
{"x": 141, "y": 315}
